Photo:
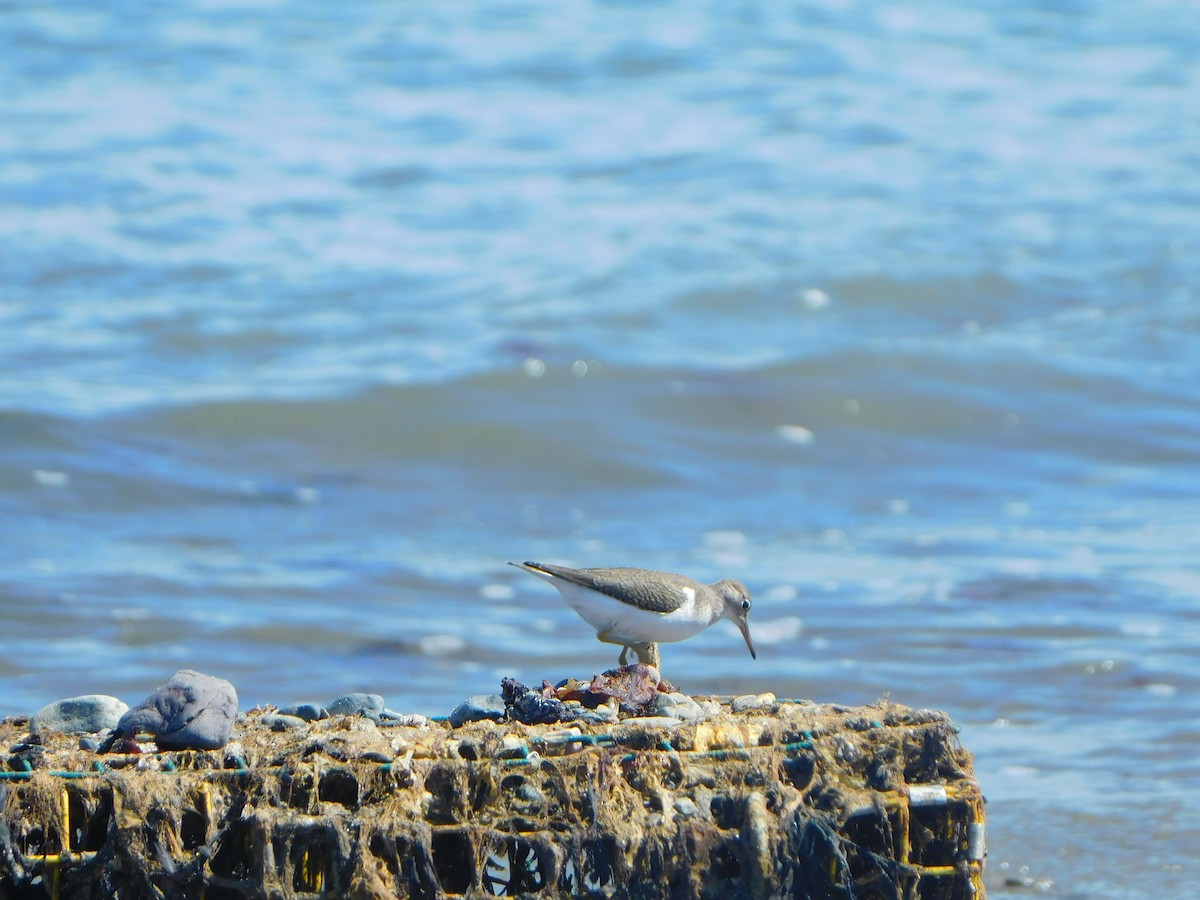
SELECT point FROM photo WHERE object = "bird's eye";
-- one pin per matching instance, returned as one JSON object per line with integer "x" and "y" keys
{"x": 745, "y": 606}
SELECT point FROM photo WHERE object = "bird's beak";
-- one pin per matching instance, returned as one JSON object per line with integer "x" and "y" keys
{"x": 745, "y": 630}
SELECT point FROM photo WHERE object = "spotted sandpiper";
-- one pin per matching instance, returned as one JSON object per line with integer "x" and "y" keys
{"x": 638, "y": 608}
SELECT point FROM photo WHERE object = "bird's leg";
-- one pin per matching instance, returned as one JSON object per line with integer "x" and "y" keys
{"x": 607, "y": 637}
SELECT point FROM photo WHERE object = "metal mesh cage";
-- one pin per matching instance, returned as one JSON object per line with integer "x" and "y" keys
{"x": 796, "y": 800}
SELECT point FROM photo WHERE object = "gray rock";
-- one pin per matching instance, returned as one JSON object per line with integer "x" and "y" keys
{"x": 368, "y": 705}
{"x": 686, "y": 806}
{"x": 679, "y": 706}
{"x": 79, "y": 715}
{"x": 192, "y": 711}
{"x": 748, "y": 702}
{"x": 604, "y": 714}
{"x": 530, "y": 794}
{"x": 309, "y": 712}
{"x": 845, "y": 749}
{"x": 478, "y": 708}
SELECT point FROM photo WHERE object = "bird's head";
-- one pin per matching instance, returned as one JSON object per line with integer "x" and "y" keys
{"x": 737, "y": 607}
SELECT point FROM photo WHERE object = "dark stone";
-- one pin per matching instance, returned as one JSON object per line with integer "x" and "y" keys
{"x": 282, "y": 722}
{"x": 534, "y": 709}
{"x": 26, "y": 757}
{"x": 512, "y": 690}
{"x": 192, "y": 711}
{"x": 309, "y": 712}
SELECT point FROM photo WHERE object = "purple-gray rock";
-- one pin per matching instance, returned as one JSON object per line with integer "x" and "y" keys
{"x": 534, "y": 709}
{"x": 88, "y": 714}
{"x": 192, "y": 711}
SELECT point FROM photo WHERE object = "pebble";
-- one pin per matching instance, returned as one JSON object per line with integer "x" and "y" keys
{"x": 235, "y": 756}
{"x": 686, "y": 806}
{"x": 862, "y": 723}
{"x": 477, "y": 708}
{"x": 513, "y": 747}
{"x": 88, "y": 714}
{"x": 282, "y": 721}
{"x": 606, "y": 713}
{"x": 309, "y": 712}
{"x": 412, "y": 720}
{"x": 26, "y": 757}
{"x": 845, "y": 749}
{"x": 752, "y": 701}
{"x": 710, "y": 708}
{"x": 369, "y": 705}
{"x": 530, "y": 794}
{"x": 559, "y": 741}
{"x": 679, "y": 706}
{"x": 642, "y": 723}
{"x": 192, "y": 711}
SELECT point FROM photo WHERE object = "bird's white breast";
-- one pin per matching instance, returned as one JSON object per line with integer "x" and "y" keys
{"x": 631, "y": 624}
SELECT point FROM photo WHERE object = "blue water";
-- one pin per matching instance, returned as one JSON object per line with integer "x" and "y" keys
{"x": 312, "y": 317}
